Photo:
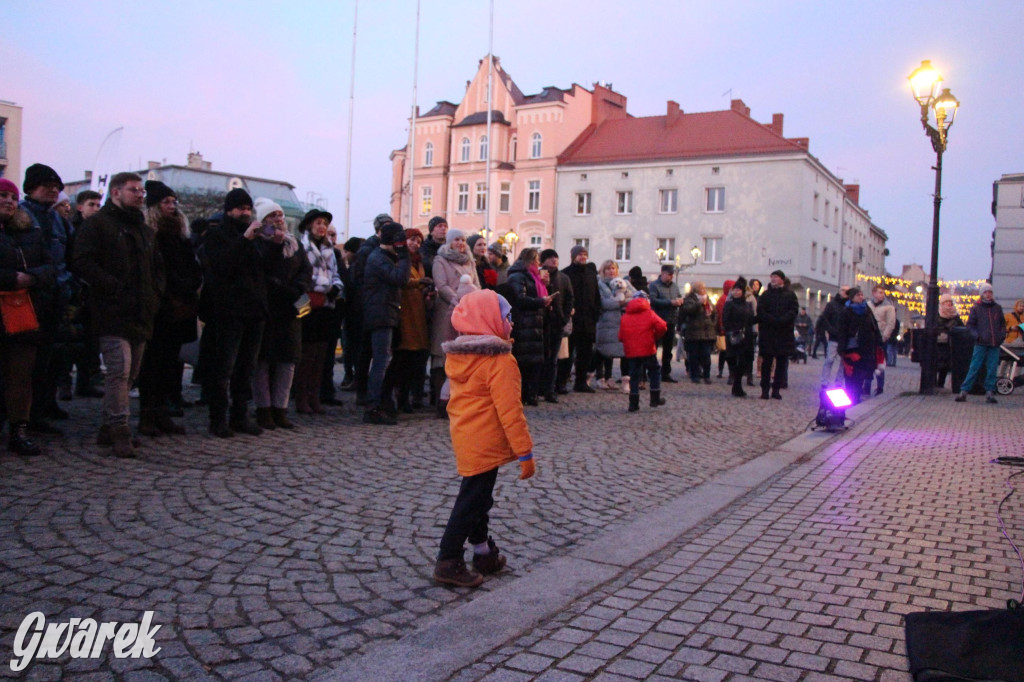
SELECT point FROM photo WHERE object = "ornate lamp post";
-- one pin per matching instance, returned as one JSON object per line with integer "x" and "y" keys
{"x": 924, "y": 82}
{"x": 680, "y": 266}
{"x": 510, "y": 241}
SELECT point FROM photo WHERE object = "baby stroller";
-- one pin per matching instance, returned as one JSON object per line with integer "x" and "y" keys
{"x": 1009, "y": 361}
{"x": 800, "y": 350}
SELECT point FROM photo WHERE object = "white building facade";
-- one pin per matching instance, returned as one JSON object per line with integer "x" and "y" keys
{"x": 1008, "y": 239}
{"x": 644, "y": 192}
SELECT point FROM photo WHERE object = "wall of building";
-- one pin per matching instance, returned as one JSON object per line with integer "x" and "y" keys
{"x": 1008, "y": 240}
{"x": 10, "y": 149}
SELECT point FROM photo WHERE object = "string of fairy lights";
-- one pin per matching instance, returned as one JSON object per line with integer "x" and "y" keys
{"x": 911, "y": 295}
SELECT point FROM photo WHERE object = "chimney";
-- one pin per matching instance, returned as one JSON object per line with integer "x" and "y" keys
{"x": 853, "y": 191}
{"x": 738, "y": 106}
{"x": 673, "y": 114}
{"x": 88, "y": 176}
{"x": 195, "y": 160}
{"x": 150, "y": 165}
{"x": 777, "y": 123}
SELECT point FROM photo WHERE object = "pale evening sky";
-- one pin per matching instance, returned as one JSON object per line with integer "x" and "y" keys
{"x": 261, "y": 88}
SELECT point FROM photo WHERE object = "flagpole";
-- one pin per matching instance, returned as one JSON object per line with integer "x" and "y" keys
{"x": 411, "y": 156}
{"x": 490, "y": 139}
{"x": 351, "y": 108}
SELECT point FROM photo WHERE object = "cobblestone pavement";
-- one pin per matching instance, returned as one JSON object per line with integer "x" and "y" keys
{"x": 277, "y": 557}
{"x": 809, "y": 576}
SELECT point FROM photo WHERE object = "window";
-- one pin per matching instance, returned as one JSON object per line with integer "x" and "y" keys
{"x": 824, "y": 260}
{"x": 581, "y": 241}
{"x": 514, "y": 145}
{"x": 533, "y": 196}
{"x": 505, "y": 197}
{"x": 666, "y": 249}
{"x": 426, "y": 200}
{"x": 835, "y": 219}
{"x": 536, "y": 146}
{"x": 715, "y": 200}
{"x": 536, "y": 241}
{"x": 668, "y": 200}
{"x": 814, "y": 255}
{"x": 428, "y": 154}
{"x": 624, "y": 203}
{"x": 465, "y": 150}
{"x": 582, "y": 203}
{"x": 483, "y": 148}
{"x": 834, "y": 261}
{"x": 817, "y": 202}
{"x": 622, "y": 248}
{"x": 828, "y": 205}
{"x": 712, "y": 249}
{"x": 481, "y": 197}
{"x": 463, "y": 198}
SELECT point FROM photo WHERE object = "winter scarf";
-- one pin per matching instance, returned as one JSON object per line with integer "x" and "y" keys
{"x": 448, "y": 253}
{"x": 542, "y": 291}
{"x": 321, "y": 257}
{"x": 859, "y": 308}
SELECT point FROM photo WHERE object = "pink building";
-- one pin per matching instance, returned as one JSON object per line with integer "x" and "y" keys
{"x": 529, "y": 133}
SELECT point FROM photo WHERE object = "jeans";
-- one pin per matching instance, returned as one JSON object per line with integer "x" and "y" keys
{"x": 636, "y": 373}
{"x": 380, "y": 346}
{"x": 468, "y": 520}
{"x": 698, "y": 354}
{"x": 123, "y": 360}
{"x": 890, "y": 354}
{"x": 987, "y": 356}
{"x": 828, "y": 375}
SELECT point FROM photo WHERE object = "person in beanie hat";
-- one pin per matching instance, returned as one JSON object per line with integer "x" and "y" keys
{"x": 387, "y": 271}
{"x": 987, "y": 325}
{"x": 558, "y": 314}
{"x": 639, "y": 331}
{"x": 499, "y": 261}
{"x": 380, "y": 221}
{"x": 237, "y": 198}
{"x": 487, "y": 275}
{"x": 488, "y": 429}
{"x": 777, "y": 308}
{"x": 437, "y": 232}
{"x": 738, "y": 327}
{"x": 666, "y": 299}
{"x": 586, "y": 311}
{"x": 39, "y": 174}
{"x": 156, "y": 192}
{"x": 358, "y": 269}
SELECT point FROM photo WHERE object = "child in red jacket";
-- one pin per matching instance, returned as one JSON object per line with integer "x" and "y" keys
{"x": 639, "y": 332}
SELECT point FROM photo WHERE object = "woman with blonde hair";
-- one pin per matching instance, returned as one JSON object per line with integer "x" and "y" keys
{"x": 616, "y": 293}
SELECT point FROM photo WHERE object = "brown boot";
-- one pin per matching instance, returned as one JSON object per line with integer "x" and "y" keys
{"x": 264, "y": 420}
{"x": 455, "y": 572}
{"x": 280, "y": 417}
{"x": 490, "y": 563}
{"x": 147, "y": 423}
{"x": 104, "y": 440}
{"x": 122, "y": 441}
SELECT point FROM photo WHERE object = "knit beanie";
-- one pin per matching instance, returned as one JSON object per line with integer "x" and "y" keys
{"x": 453, "y": 235}
{"x": 496, "y": 248}
{"x": 8, "y": 186}
{"x": 577, "y": 250}
{"x": 740, "y": 283}
{"x": 156, "y": 192}
{"x": 985, "y": 287}
{"x": 264, "y": 207}
{"x": 780, "y": 273}
{"x": 353, "y": 244}
{"x": 38, "y": 174}
{"x": 472, "y": 240}
{"x": 391, "y": 233}
{"x": 435, "y": 221}
{"x": 237, "y": 198}
{"x": 380, "y": 221}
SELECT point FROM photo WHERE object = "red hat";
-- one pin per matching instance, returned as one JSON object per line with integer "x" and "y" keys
{"x": 8, "y": 186}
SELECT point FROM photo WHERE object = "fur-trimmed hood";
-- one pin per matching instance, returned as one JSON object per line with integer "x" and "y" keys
{"x": 477, "y": 344}
{"x": 19, "y": 222}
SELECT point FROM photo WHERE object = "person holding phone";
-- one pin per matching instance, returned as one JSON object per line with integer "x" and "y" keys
{"x": 529, "y": 298}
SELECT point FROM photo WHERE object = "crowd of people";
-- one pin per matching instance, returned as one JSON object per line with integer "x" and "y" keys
{"x": 128, "y": 283}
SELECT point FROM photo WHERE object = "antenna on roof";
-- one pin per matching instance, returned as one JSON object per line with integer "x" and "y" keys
{"x": 727, "y": 92}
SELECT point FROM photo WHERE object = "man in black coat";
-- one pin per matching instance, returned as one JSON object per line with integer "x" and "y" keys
{"x": 362, "y": 369}
{"x": 437, "y": 231}
{"x": 234, "y": 301}
{"x": 586, "y": 309}
{"x": 777, "y": 309}
{"x": 115, "y": 253}
{"x": 558, "y": 315}
{"x": 829, "y": 325}
{"x": 387, "y": 271}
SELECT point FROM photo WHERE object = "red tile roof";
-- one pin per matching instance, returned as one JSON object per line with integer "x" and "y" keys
{"x": 710, "y": 134}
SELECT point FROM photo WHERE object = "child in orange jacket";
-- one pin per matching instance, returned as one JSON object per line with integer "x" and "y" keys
{"x": 639, "y": 332}
{"x": 488, "y": 429}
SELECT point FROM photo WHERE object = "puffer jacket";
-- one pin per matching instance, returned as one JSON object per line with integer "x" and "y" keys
{"x": 24, "y": 248}
{"x": 612, "y": 294}
{"x": 987, "y": 323}
{"x": 385, "y": 275}
{"x": 700, "y": 326}
{"x": 116, "y": 254}
{"x": 447, "y": 271}
{"x": 527, "y": 316}
{"x": 487, "y": 424}
{"x": 640, "y": 329}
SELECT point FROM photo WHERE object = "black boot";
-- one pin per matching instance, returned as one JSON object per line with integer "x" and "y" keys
{"x": 19, "y": 443}
{"x": 147, "y": 423}
{"x": 737, "y": 388}
{"x": 656, "y": 399}
{"x": 240, "y": 422}
{"x": 634, "y": 403}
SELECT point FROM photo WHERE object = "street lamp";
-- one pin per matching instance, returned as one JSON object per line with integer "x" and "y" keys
{"x": 680, "y": 266}
{"x": 924, "y": 82}
{"x": 510, "y": 240}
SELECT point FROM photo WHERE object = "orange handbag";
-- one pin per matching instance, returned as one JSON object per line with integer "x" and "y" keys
{"x": 18, "y": 314}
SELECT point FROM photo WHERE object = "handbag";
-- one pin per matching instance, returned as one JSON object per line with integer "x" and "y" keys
{"x": 720, "y": 342}
{"x": 18, "y": 313}
{"x": 317, "y": 299}
{"x": 735, "y": 337}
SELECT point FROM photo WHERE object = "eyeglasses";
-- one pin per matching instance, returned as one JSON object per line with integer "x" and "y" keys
{"x": 133, "y": 190}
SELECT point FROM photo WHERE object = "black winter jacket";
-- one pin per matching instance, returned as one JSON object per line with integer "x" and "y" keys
{"x": 234, "y": 273}
{"x": 24, "y": 248}
{"x": 381, "y": 292}
{"x": 829, "y": 320}
{"x": 777, "y": 309}
{"x": 560, "y": 310}
{"x": 184, "y": 277}
{"x": 527, "y": 316}
{"x": 738, "y": 315}
{"x": 586, "y": 298}
{"x": 116, "y": 254}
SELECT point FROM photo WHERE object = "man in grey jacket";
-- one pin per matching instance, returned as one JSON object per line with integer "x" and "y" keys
{"x": 665, "y": 301}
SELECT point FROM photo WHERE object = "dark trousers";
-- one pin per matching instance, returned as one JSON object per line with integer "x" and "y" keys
{"x": 698, "y": 357}
{"x": 160, "y": 375}
{"x": 44, "y": 385}
{"x": 781, "y": 363}
{"x": 468, "y": 520}
{"x": 351, "y": 335}
{"x": 668, "y": 343}
{"x": 581, "y": 350}
{"x": 549, "y": 373}
{"x": 531, "y": 380}
{"x": 236, "y": 347}
{"x": 408, "y": 368}
{"x": 362, "y": 368}
{"x": 638, "y": 367}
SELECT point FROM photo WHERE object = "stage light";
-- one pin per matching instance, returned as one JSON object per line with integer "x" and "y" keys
{"x": 832, "y": 404}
